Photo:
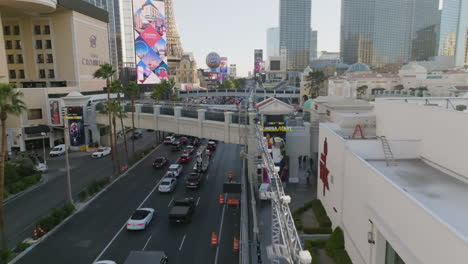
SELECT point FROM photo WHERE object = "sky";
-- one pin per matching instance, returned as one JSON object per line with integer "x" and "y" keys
{"x": 234, "y": 29}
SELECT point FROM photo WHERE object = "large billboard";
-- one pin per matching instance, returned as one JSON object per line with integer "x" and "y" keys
{"x": 149, "y": 27}
{"x": 54, "y": 112}
{"x": 258, "y": 56}
{"x": 223, "y": 67}
{"x": 76, "y": 126}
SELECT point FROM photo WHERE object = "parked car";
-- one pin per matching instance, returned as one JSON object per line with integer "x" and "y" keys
{"x": 193, "y": 180}
{"x": 169, "y": 140}
{"x": 58, "y": 150}
{"x": 137, "y": 134}
{"x": 174, "y": 170}
{"x": 189, "y": 149}
{"x": 41, "y": 167}
{"x": 167, "y": 184}
{"x": 101, "y": 152}
{"x": 160, "y": 162}
{"x": 140, "y": 219}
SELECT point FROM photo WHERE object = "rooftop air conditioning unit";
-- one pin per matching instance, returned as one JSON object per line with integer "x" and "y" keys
{"x": 460, "y": 107}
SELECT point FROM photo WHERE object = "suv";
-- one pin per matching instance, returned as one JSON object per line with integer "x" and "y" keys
{"x": 193, "y": 180}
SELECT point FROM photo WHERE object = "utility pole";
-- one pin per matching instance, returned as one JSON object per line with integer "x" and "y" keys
{"x": 66, "y": 134}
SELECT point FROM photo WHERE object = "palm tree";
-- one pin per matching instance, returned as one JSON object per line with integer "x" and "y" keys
{"x": 114, "y": 108}
{"x": 361, "y": 91}
{"x": 131, "y": 91}
{"x": 160, "y": 89}
{"x": 315, "y": 79}
{"x": 10, "y": 103}
{"x": 118, "y": 89}
{"x": 105, "y": 71}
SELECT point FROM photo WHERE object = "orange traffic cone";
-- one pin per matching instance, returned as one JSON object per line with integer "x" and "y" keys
{"x": 214, "y": 239}
{"x": 235, "y": 248}
{"x": 221, "y": 199}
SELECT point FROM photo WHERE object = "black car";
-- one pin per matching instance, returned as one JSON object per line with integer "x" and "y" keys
{"x": 137, "y": 134}
{"x": 160, "y": 162}
{"x": 193, "y": 180}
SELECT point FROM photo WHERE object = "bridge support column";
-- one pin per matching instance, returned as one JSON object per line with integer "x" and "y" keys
{"x": 201, "y": 118}
{"x": 177, "y": 115}
{"x": 137, "y": 114}
{"x": 227, "y": 123}
{"x": 157, "y": 112}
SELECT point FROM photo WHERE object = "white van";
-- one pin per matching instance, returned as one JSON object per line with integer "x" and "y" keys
{"x": 58, "y": 150}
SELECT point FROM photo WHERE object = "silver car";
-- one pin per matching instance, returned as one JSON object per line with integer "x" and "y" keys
{"x": 167, "y": 185}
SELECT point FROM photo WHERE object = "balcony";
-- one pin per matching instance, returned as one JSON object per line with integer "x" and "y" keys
{"x": 36, "y": 6}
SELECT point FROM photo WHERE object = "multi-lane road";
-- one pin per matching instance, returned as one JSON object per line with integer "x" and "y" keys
{"x": 98, "y": 231}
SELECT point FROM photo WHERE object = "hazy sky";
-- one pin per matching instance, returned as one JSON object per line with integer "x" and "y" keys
{"x": 235, "y": 28}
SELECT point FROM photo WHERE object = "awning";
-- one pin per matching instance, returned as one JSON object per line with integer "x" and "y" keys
{"x": 36, "y": 129}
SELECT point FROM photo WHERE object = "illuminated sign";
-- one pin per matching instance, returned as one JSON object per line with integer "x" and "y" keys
{"x": 150, "y": 41}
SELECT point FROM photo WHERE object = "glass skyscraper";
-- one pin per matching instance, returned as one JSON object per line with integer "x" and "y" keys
{"x": 381, "y": 32}
{"x": 454, "y": 31}
{"x": 273, "y": 41}
{"x": 295, "y": 30}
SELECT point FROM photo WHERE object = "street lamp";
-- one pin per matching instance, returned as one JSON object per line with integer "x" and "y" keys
{"x": 43, "y": 134}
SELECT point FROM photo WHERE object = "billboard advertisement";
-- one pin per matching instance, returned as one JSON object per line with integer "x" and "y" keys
{"x": 54, "y": 112}
{"x": 76, "y": 126}
{"x": 149, "y": 24}
{"x": 223, "y": 67}
{"x": 213, "y": 76}
{"x": 258, "y": 56}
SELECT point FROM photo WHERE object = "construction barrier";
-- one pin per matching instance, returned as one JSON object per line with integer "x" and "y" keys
{"x": 214, "y": 239}
{"x": 233, "y": 202}
{"x": 123, "y": 168}
{"x": 38, "y": 228}
{"x": 235, "y": 247}
{"x": 221, "y": 199}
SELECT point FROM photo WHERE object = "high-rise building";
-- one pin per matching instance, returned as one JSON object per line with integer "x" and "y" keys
{"x": 453, "y": 31}
{"x": 381, "y": 32}
{"x": 233, "y": 70}
{"x": 313, "y": 44}
{"x": 294, "y": 20}
{"x": 273, "y": 41}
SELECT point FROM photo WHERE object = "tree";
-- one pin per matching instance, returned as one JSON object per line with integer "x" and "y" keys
{"x": 114, "y": 109}
{"x": 10, "y": 104}
{"x": 228, "y": 84}
{"x": 131, "y": 91}
{"x": 105, "y": 71}
{"x": 161, "y": 89}
{"x": 361, "y": 91}
{"x": 398, "y": 87}
{"x": 315, "y": 79}
{"x": 118, "y": 89}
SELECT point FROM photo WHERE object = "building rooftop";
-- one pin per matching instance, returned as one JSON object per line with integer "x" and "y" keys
{"x": 441, "y": 194}
{"x": 370, "y": 75}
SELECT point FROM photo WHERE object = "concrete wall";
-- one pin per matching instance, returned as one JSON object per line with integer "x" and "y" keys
{"x": 437, "y": 128}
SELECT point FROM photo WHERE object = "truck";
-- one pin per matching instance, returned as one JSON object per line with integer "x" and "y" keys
{"x": 202, "y": 161}
{"x": 182, "y": 210}
{"x": 147, "y": 257}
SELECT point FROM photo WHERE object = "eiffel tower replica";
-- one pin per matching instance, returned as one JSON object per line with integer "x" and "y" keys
{"x": 174, "y": 48}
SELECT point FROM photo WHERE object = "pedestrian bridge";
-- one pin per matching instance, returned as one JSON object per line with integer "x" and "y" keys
{"x": 219, "y": 125}
{"x": 259, "y": 93}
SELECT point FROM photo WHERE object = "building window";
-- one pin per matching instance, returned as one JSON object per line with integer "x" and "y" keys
{"x": 16, "y": 30}
{"x": 38, "y": 44}
{"x": 51, "y": 74}
{"x": 391, "y": 257}
{"x": 40, "y": 58}
{"x": 37, "y": 29}
{"x": 8, "y": 44}
{"x": 46, "y": 30}
{"x": 10, "y": 59}
{"x": 42, "y": 74}
{"x": 50, "y": 58}
{"x": 17, "y": 44}
{"x": 21, "y": 74}
{"x": 19, "y": 58}
{"x": 12, "y": 74}
{"x": 34, "y": 114}
{"x": 6, "y": 30}
{"x": 48, "y": 44}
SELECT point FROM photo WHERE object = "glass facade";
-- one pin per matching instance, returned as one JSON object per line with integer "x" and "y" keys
{"x": 391, "y": 257}
{"x": 295, "y": 17}
{"x": 313, "y": 44}
{"x": 381, "y": 32}
{"x": 453, "y": 28}
{"x": 273, "y": 41}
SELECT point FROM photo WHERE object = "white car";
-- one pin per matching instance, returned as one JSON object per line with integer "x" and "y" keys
{"x": 101, "y": 152}
{"x": 105, "y": 262}
{"x": 58, "y": 150}
{"x": 167, "y": 185}
{"x": 174, "y": 170}
{"x": 41, "y": 167}
{"x": 169, "y": 140}
{"x": 140, "y": 219}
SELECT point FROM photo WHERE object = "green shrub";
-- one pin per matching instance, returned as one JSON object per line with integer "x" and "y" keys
{"x": 341, "y": 257}
{"x": 68, "y": 209}
{"x": 5, "y": 255}
{"x": 17, "y": 187}
{"x": 25, "y": 167}
{"x": 47, "y": 223}
{"x": 320, "y": 243}
{"x": 335, "y": 242}
{"x": 58, "y": 215}
{"x": 83, "y": 195}
{"x": 11, "y": 175}
{"x": 320, "y": 213}
{"x": 313, "y": 251}
{"x": 20, "y": 247}
{"x": 317, "y": 230}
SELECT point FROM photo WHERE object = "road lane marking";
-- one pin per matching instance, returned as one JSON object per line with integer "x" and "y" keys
{"x": 220, "y": 232}
{"x": 182, "y": 243}
{"x": 117, "y": 234}
{"x": 169, "y": 205}
{"x": 146, "y": 244}
{"x": 198, "y": 200}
